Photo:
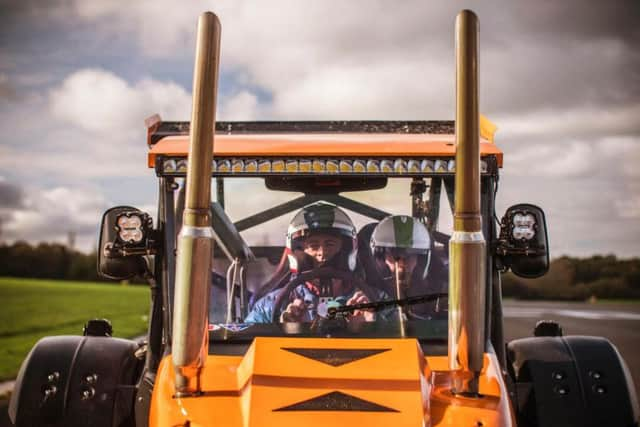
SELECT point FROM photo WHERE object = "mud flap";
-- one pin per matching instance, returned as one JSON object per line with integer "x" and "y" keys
{"x": 76, "y": 381}
{"x": 571, "y": 381}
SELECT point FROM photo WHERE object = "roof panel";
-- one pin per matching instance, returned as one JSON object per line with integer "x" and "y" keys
{"x": 323, "y": 145}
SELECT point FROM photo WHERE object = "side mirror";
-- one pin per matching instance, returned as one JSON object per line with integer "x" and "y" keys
{"x": 523, "y": 245}
{"x": 126, "y": 235}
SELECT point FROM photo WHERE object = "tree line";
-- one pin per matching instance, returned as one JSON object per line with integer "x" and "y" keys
{"x": 579, "y": 279}
{"x": 568, "y": 277}
{"x": 47, "y": 261}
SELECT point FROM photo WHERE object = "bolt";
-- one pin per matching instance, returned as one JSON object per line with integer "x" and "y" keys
{"x": 50, "y": 391}
{"x": 91, "y": 378}
{"x": 561, "y": 390}
{"x": 88, "y": 393}
{"x": 53, "y": 376}
{"x": 596, "y": 375}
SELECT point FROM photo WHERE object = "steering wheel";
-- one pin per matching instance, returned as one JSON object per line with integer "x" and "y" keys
{"x": 316, "y": 273}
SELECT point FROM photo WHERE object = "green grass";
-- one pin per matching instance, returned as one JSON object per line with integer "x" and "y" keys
{"x": 32, "y": 309}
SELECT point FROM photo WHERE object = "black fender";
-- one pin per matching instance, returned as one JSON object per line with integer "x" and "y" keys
{"x": 76, "y": 381}
{"x": 571, "y": 381}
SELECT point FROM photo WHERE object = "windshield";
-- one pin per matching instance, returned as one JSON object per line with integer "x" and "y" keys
{"x": 284, "y": 261}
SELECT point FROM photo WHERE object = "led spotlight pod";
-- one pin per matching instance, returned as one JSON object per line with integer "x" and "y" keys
{"x": 523, "y": 226}
{"x": 304, "y": 166}
{"x": 237, "y": 166}
{"x": 427, "y": 166}
{"x": 346, "y": 166}
{"x": 169, "y": 166}
{"x": 386, "y": 166}
{"x": 440, "y": 166}
{"x": 264, "y": 166}
{"x": 319, "y": 166}
{"x": 129, "y": 226}
{"x": 400, "y": 166}
{"x": 224, "y": 166}
{"x": 181, "y": 166}
{"x": 359, "y": 166}
{"x": 291, "y": 166}
{"x": 413, "y": 166}
{"x": 251, "y": 166}
{"x": 333, "y": 166}
{"x": 373, "y": 166}
{"x": 523, "y": 246}
{"x": 277, "y": 166}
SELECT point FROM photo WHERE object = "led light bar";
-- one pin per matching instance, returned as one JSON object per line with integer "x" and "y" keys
{"x": 306, "y": 166}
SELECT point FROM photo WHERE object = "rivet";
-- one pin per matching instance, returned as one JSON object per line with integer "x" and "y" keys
{"x": 53, "y": 376}
{"x": 561, "y": 390}
{"x": 558, "y": 375}
{"x": 596, "y": 375}
{"x": 599, "y": 389}
{"x": 91, "y": 378}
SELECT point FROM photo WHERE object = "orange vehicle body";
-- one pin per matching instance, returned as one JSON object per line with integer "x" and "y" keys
{"x": 267, "y": 386}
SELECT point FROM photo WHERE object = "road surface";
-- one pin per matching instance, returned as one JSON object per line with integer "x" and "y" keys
{"x": 620, "y": 323}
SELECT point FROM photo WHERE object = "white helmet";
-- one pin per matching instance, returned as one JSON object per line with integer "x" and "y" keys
{"x": 323, "y": 217}
{"x": 403, "y": 235}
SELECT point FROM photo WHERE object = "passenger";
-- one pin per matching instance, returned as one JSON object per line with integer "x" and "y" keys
{"x": 402, "y": 248}
{"x": 320, "y": 235}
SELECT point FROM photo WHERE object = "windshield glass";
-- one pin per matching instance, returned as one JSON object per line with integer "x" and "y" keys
{"x": 306, "y": 255}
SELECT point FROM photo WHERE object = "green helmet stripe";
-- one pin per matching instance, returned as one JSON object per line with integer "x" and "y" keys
{"x": 403, "y": 231}
{"x": 320, "y": 216}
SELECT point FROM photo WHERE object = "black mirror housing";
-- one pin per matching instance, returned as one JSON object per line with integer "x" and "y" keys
{"x": 126, "y": 235}
{"x": 523, "y": 244}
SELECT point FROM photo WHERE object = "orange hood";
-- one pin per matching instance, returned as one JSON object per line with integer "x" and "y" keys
{"x": 318, "y": 382}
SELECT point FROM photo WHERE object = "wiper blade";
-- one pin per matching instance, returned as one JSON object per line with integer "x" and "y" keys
{"x": 332, "y": 312}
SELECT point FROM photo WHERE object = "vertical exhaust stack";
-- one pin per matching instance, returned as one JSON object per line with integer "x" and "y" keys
{"x": 195, "y": 241}
{"x": 467, "y": 248}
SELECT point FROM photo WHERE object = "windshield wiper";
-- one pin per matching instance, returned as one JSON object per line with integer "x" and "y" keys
{"x": 332, "y": 312}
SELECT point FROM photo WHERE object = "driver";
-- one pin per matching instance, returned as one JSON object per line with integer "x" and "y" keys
{"x": 402, "y": 248}
{"x": 319, "y": 235}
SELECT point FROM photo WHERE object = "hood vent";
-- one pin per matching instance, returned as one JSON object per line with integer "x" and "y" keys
{"x": 336, "y": 401}
{"x": 335, "y": 356}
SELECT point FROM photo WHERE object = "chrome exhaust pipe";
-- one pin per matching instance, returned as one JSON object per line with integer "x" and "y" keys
{"x": 467, "y": 247}
{"x": 195, "y": 241}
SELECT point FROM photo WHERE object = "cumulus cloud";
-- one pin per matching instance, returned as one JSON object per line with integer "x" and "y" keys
{"x": 558, "y": 78}
{"x": 241, "y": 106}
{"x": 10, "y": 194}
{"x": 50, "y": 214}
{"x": 99, "y": 101}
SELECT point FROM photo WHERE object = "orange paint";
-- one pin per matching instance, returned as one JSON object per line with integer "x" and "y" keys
{"x": 248, "y": 390}
{"x": 323, "y": 145}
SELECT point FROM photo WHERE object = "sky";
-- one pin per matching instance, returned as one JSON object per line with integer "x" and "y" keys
{"x": 560, "y": 79}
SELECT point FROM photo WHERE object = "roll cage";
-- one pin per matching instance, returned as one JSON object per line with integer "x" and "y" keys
{"x": 425, "y": 198}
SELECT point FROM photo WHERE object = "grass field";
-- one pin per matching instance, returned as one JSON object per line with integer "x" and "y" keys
{"x": 32, "y": 309}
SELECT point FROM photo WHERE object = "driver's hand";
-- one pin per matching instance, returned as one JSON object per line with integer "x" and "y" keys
{"x": 295, "y": 312}
{"x": 360, "y": 315}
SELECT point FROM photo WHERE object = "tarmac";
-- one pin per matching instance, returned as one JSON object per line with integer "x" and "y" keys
{"x": 619, "y": 322}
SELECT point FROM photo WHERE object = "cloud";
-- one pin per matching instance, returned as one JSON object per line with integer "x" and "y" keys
{"x": 99, "y": 101}
{"x": 10, "y": 194}
{"x": 241, "y": 106}
{"x": 560, "y": 79}
{"x": 574, "y": 159}
{"x": 629, "y": 208}
{"x": 50, "y": 214}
